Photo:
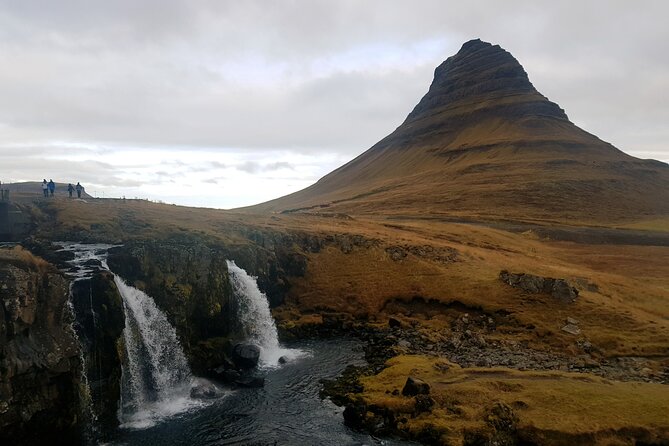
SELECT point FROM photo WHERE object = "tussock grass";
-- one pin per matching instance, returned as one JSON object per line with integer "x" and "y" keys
{"x": 549, "y": 405}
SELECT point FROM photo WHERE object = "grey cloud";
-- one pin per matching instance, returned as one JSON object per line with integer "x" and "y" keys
{"x": 172, "y": 73}
{"x": 278, "y": 166}
{"x": 249, "y": 167}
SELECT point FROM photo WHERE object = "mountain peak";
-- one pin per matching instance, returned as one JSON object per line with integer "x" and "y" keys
{"x": 482, "y": 73}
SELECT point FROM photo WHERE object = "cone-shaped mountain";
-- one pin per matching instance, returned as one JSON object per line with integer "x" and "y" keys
{"x": 483, "y": 142}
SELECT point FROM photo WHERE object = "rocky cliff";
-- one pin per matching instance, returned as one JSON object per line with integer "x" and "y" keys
{"x": 99, "y": 324}
{"x": 39, "y": 358}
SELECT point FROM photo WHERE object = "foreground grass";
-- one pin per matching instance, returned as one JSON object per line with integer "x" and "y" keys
{"x": 551, "y": 408}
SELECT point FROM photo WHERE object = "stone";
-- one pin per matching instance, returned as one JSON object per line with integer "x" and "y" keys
{"x": 252, "y": 382}
{"x": 394, "y": 323}
{"x": 206, "y": 391}
{"x": 403, "y": 343}
{"x": 283, "y": 360}
{"x": 563, "y": 291}
{"x": 557, "y": 288}
{"x": 571, "y": 320}
{"x": 571, "y": 329}
{"x": 246, "y": 356}
{"x": 415, "y": 386}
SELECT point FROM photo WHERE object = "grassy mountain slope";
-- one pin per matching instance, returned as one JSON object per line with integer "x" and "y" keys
{"x": 483, "y": 142}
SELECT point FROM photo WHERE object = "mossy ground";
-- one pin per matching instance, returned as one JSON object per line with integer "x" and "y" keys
{"x": 549, "y": 407}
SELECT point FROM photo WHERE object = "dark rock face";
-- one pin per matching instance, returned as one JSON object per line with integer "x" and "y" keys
{"x": 415, "y": 386}
{"x": 100, "y": 321}
{"x": 188, "y": 279}
{"x": 39, "y": 358}
{"x": 558, "y": 288}
{"x": 483, "y": 73}
{"x": 245, "y": 356}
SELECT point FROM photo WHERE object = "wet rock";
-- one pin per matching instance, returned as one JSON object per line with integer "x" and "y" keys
{"x": 205, "y": 391}
{"x": 229, "y": 376}
{"x": 283, "y": 360}
{"x": 246, "y": 356}
{"x": 253, "y": 382}
{"x": 415, "y": 386}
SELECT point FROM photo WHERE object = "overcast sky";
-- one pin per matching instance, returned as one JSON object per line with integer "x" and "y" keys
{"x": 229, "y": 103}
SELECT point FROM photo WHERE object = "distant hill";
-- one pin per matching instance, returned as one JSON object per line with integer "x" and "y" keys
{"x": 484, "y": 142}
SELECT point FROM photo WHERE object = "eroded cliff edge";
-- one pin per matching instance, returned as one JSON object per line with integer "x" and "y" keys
{"x": 39, "y": 354}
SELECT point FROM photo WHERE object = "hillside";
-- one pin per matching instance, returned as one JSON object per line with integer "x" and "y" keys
{"x": 484, "y": 143}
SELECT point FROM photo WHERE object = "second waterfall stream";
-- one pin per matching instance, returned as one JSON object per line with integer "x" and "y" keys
{"x": 257, "y": 323}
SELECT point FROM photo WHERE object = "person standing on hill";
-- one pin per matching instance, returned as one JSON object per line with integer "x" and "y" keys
{"x": 52, "y": 187}
{"x": 70, "y": 189}
{"x": 45, "y": 188}
{"x": 79, "y": 188}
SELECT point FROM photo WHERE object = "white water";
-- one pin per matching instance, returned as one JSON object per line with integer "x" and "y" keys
{"x": 256, "y": 319}
{"x": 156, "y": 377}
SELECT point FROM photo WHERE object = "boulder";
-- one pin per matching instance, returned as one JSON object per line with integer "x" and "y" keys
{"x": 394, "y": 323}
{"x": 557, "y": 288}
{"x": 415, "y": 386}
{"x": 245, "y": 356}
{"x": 252, "y": 382}
{"x": 205, "y": 391}
{"x": 571, "y": 329}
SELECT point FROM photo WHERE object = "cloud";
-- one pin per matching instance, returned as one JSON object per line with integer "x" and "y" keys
{"x": 240, "y": 84}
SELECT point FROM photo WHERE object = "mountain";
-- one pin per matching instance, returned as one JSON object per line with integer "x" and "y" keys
{"x": 483, "y": 142}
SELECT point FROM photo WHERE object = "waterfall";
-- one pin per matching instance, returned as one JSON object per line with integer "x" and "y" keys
{"x": 156, "y": 377}
{"x": 256, "y": 321}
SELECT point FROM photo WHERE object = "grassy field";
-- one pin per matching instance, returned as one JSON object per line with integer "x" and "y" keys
{"x": 428, "y": 273}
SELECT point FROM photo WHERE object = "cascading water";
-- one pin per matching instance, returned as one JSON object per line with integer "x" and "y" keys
{"x": 156, "y": 377}
{"x": 256, "y": 319}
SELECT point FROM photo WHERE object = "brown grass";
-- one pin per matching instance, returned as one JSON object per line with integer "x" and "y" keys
{"x": 580, "y": 408}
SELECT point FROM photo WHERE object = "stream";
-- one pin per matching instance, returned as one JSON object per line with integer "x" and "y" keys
{"x": 286, "y": 411}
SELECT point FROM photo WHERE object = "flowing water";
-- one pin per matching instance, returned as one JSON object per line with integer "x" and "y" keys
{"x": 156, "y": 378}
{"x": 257, "y": 324}
{"x": 156, "y": 408}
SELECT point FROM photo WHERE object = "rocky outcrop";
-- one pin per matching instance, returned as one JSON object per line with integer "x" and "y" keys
{"x": 558, "y": 288}
{"x": 245, "y": 356}
{"x": 39, "y": 358}
{"x": 100, "y": 321}
{"x": 475, "y": 82}
{"x": 188, "y": 280}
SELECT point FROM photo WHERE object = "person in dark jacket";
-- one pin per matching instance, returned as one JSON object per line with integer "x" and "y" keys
{"x": 79, "y": 188}
{"x": 70, "y": 189}
{"x": 52, "y": 187}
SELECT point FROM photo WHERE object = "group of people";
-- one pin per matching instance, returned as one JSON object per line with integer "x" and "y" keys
{"x": 48, "y": 188}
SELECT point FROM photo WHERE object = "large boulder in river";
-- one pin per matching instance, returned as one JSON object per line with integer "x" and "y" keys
{"x": 245, "y": 356}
